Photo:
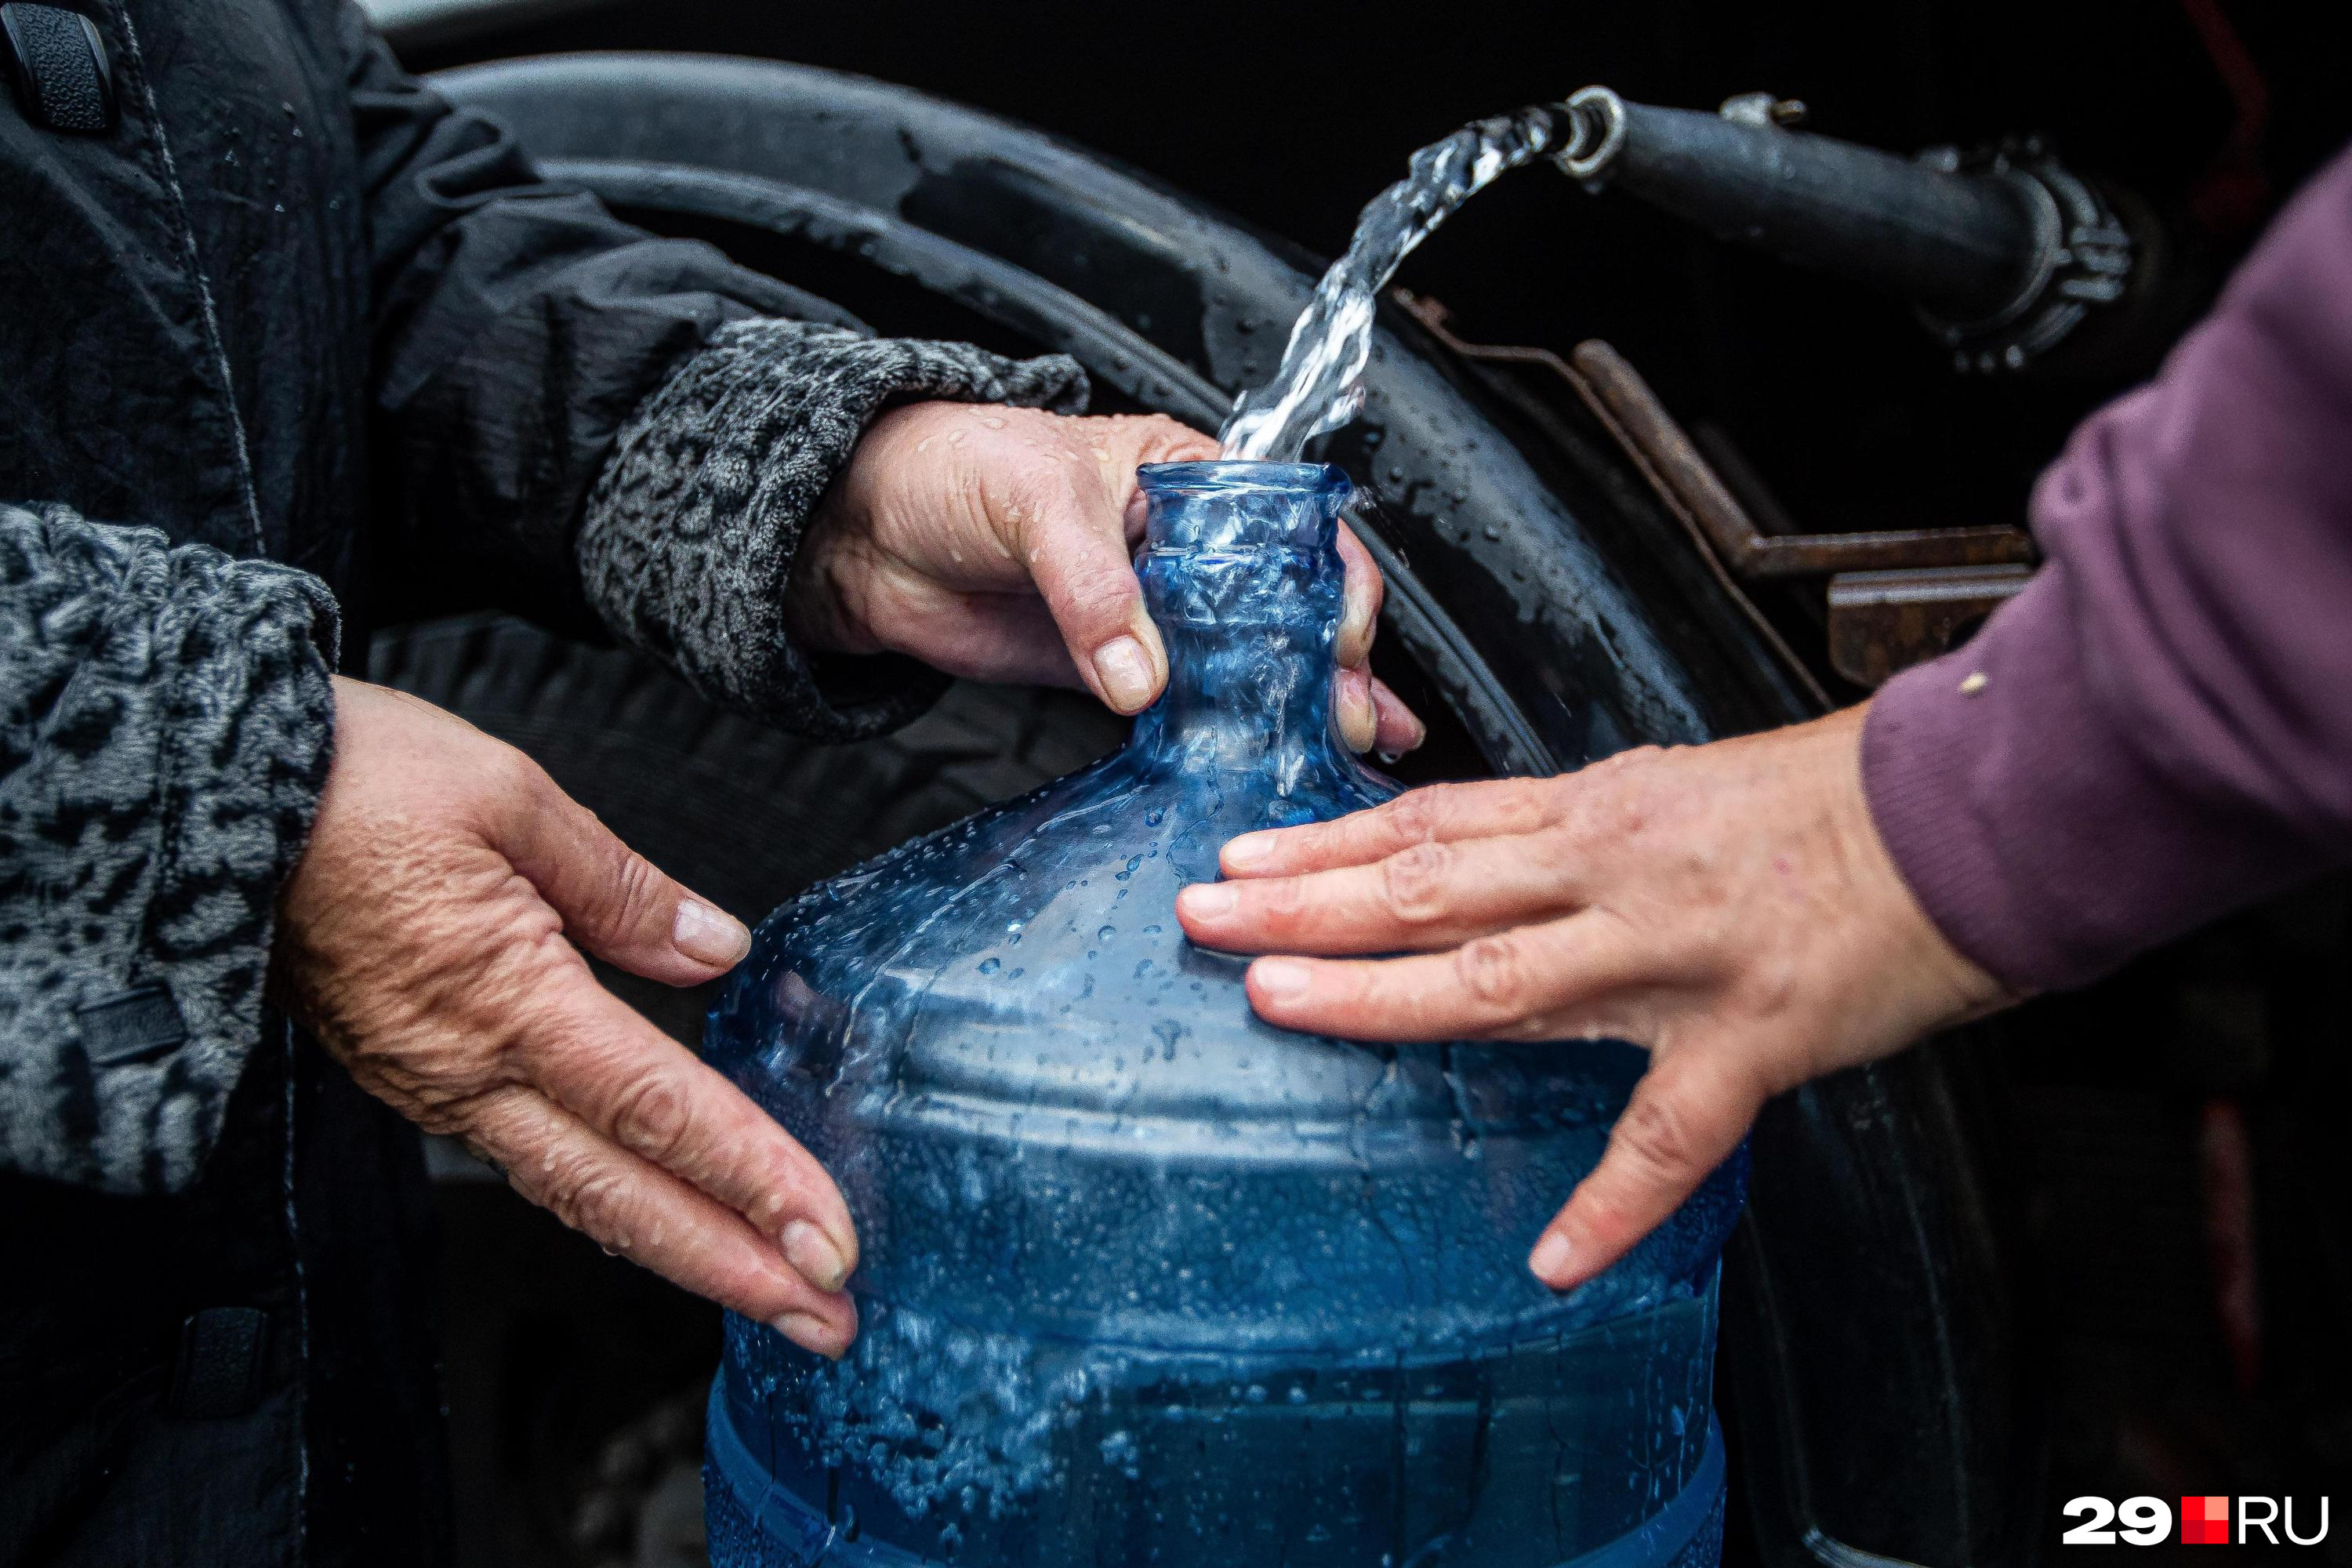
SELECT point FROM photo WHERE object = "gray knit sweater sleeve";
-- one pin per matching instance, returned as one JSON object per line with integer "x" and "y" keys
{"x": 166, "y": 720}
{"x": 691, "y": 529}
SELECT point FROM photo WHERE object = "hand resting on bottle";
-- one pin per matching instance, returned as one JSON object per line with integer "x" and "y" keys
{"x": 1728, "y": 905}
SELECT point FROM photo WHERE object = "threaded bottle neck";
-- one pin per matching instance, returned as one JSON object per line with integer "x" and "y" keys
{"x": 1240, "y": 574}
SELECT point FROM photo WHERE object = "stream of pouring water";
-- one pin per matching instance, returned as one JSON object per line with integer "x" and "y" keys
{"x": 1319, "y": 386}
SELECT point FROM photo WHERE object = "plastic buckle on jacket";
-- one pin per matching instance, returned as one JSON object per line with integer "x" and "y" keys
{"x": 58, "y": 64}
{"x": 131, "y": 1026}
{"x": 223, "y": 1354}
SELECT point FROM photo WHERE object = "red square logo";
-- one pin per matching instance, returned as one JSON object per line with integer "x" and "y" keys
{"x": 2205, "y": 1522}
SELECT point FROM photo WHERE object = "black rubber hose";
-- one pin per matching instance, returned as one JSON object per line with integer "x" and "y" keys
{"x": 1965, "y": 248}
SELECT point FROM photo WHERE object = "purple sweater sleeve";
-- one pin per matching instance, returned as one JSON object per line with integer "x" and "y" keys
{"x": 2159, "y": 728}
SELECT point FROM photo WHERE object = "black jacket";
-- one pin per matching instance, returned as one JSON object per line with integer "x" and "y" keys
{"x": 316, "y": 349}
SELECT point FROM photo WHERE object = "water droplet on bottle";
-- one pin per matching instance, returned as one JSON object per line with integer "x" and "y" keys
{"x": 990, "y": 965}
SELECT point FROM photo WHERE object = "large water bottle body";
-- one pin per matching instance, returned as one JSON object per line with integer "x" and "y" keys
{"x": 1593, "y": 1446}
{"x": 1586, "y": 1446}
{"x": 1144, "y": 1279}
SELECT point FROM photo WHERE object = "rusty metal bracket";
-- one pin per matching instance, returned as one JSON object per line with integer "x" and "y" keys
{"x": 1881, "y": 622}
{"x": 1897, "y": 596}
{"x": 1623, "y": 402}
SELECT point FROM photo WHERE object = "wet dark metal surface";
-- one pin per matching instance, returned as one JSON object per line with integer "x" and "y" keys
{"x": 1432, "y": 315}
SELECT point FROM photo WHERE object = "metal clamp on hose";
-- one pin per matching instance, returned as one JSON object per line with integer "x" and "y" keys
{"x": 2005, "y": 253}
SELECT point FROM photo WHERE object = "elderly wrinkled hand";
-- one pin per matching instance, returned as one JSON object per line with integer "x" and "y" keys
{"x": 998, "y": 543}
{"x": 426, "y": 939}
{"x": 1728, "y": 906}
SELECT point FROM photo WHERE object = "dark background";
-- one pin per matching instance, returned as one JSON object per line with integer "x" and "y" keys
{"x": 2127, "y": 1103}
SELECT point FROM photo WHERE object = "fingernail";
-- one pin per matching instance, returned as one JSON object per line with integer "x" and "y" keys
{"x": 1125, "y": 671}
{"x": 708, "y": 936}
{"x": 813, "y": 1255}
{"x": 1280, "y": 976}
{"x": 1358, "y": 723}
{"x": 1249, "y": 849}
{"x": 1355, "y": 639}
{"x": 1387, "y": 707}
{"x": 1548, "y": 1261}
{"x": 1207, "y": 900}
{"x": 807, "y": 1330}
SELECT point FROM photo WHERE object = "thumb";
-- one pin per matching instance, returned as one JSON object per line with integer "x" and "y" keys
{"x": 613, "y": 901}
{"x": 1684, "y": 1118}
{"x": 1077, "y": 547}
{"x": 1080, "y": 559}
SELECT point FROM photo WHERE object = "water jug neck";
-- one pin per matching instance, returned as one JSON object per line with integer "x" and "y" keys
{"x": 1240, "y": 574}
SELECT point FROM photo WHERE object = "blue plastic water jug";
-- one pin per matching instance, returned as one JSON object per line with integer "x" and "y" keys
{"x": 1146, "y": 1280}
